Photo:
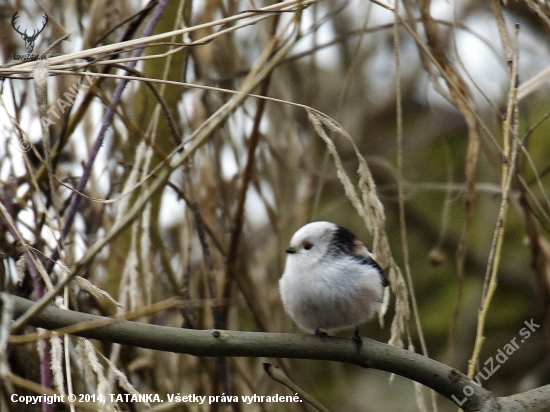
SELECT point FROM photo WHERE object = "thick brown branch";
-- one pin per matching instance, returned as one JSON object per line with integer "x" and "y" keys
{"x": 448, "y": 381}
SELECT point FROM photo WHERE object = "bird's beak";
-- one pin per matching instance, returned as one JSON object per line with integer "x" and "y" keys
{"x": 290, "y": 250}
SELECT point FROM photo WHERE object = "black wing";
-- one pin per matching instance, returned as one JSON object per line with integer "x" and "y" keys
{"x": 345, "y": 241}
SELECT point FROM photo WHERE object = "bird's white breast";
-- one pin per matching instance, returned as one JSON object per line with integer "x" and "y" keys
{"x": 329, "y": 294}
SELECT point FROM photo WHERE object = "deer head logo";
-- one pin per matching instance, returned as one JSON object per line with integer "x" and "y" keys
{"x": 29, "y": 40}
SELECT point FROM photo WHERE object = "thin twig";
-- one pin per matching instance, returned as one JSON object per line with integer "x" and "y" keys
{"x": 508, "y": 167}
{"x": 278, "y": 375}
{"x": 285, "y": 6}
{"x": 401, "y": 203}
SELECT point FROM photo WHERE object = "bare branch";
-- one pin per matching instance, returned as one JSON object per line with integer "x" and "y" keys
{"x": 447, "y": 381}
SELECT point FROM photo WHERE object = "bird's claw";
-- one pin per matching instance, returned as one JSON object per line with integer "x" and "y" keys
{"x": 357, "y": 339}
{"x": 321, "y": 333}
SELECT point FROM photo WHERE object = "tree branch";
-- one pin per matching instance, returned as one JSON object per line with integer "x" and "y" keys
{"x": 447, "y": 381}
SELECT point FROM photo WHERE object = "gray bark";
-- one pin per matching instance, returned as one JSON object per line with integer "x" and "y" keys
{"x": 447, "y": 381}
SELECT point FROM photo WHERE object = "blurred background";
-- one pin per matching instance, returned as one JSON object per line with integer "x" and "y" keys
{"x": 427, "y": 100}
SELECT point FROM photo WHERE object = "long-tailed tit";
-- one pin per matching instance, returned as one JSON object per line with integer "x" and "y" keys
{"x": 331, "y": 280}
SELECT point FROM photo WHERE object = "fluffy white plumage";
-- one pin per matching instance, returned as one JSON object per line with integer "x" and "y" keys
{"x": 331, "y": 280}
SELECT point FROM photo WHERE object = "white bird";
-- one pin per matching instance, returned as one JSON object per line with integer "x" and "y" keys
{"x": 331, "y": 280}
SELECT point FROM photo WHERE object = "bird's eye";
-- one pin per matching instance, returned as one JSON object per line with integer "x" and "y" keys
{"x": 308, "y": 245}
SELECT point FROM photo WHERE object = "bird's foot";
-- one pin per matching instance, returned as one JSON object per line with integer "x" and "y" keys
{"x": 321, "y": 333}
{"x": 357, "y": 338}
